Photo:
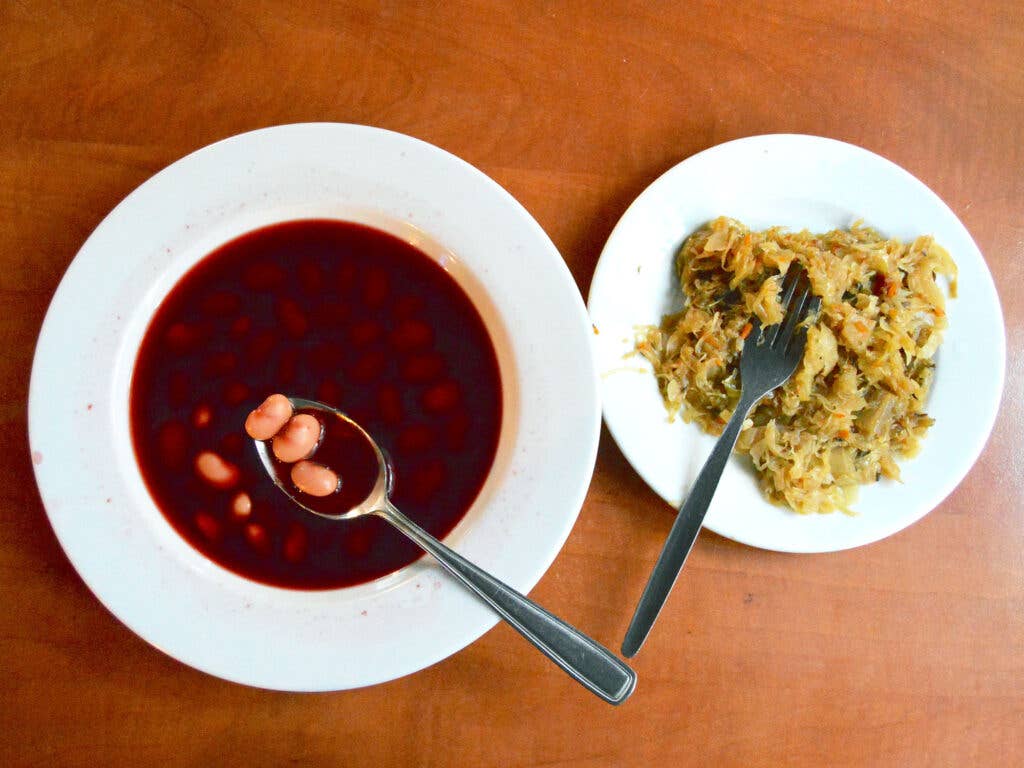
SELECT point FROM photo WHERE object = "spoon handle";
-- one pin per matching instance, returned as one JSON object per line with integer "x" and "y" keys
{"x": 588, "y": 662}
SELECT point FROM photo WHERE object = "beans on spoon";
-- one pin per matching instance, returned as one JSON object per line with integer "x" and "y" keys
{"x": 295, "y": 439}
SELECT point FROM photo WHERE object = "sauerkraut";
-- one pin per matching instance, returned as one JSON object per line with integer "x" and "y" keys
{"x": 856, "y": 403}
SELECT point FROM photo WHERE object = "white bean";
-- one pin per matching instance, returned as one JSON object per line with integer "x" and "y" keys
{"x": 298, "y": 439}
{"x": 268, "y": 418}
{"x": 215, "y": 471}
{"x": 314, "y": 479}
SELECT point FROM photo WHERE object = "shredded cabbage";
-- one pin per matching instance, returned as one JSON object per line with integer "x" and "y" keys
{"x": 857, "y": 401}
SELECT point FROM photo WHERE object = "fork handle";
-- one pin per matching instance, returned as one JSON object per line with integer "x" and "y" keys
{"x": 684, "y": 531}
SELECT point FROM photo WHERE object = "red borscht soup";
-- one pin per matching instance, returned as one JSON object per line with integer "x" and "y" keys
{"x": 331, "y": 311}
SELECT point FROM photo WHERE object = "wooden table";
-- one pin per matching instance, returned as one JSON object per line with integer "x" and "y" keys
{"x": 904, "y": 653}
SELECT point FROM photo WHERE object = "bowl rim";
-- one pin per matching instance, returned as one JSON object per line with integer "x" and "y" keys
{"x": 313, "y": 170}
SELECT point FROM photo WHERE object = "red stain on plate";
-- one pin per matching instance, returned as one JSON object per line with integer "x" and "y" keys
{"x": 37, "y": 458}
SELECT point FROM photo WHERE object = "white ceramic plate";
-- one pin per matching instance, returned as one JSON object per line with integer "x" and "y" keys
{"x": 159, "y": 585}
{"x": 801, "y": 182}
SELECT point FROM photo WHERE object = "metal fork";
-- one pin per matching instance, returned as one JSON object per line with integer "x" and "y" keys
{"x": 769, "y": 358}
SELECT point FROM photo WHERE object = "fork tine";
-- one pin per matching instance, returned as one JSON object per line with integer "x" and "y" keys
{"x": 810, "y": 308}
{"x": 794, "y": 314}
{"x": 755, "y": 329}
{"x": 813, "y": 307}
{"x": 789, "y": 284}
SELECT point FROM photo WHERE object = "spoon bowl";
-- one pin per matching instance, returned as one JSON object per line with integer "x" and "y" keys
{"x": 588, "y": 662}
{"x": 378, "y": 496}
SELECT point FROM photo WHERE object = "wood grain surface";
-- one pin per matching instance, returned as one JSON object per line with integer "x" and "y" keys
{"x": 909, "y": 652}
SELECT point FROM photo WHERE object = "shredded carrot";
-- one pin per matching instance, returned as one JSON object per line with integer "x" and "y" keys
{"x": 843, "y": 434}
{"x": 745, "y": 330}
{"x": 892, "y": 289}
{"x": 860, "y": 326}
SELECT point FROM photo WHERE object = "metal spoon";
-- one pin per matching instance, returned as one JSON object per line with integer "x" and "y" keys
{"x": 588, "y": 662}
